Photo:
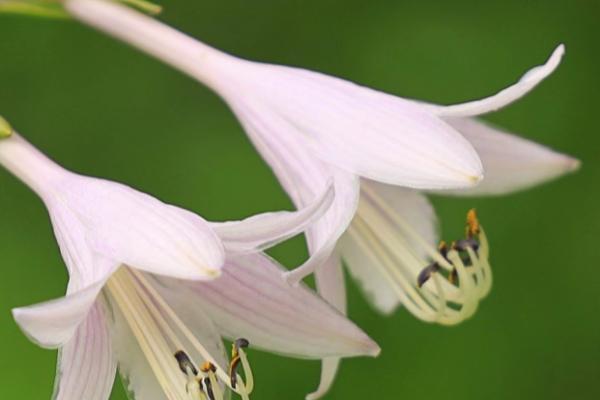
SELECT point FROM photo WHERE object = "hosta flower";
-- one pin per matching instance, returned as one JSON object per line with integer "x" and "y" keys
{"x": 312, "y": 128}
{"x": 142, "y": 291}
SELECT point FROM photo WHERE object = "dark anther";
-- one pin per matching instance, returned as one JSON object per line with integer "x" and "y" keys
{"x": 443, "y": 249}
{"x": 453, "y": 276}
{"x": 426, "y": 273}
{"x": 242, "y": 343}
{"x": 233, "y": 367}
{"x": 208, "y": 388}
{"x": 463, "y": 244}
{"x": 185, "y": 363}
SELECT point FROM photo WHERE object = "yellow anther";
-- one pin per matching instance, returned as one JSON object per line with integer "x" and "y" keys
{"x": 472, "y": 228}
{"x": 208, "y": 366}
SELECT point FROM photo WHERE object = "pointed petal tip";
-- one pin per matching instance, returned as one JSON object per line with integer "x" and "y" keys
{"x": 366, "y": 347}
{"x": 207, "y": 273}
{"x": 559, "y": 52}
{"x": 537, "y": 74}
{"x": 572, "y": 164}
{"x": 560, "y": 164}
{"x": 464, "y": 180}
{"x": 508, "y": 95}
{"x": 313, "y": 396}
{"x": 475, "y": 179}
{"x": 373, "y": 349}
{"x": 24, "y": 319}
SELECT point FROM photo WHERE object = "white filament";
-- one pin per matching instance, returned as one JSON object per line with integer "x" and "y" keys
{"x": 394, "y": 248}
{"x": 160, "y": 333}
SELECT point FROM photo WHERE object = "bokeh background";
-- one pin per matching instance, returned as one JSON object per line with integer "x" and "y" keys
{"x": 103, "y": 109}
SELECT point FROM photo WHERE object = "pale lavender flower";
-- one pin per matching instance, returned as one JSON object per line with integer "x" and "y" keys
{"x": 153, "y": 288}
{"x": 312, "y": 128}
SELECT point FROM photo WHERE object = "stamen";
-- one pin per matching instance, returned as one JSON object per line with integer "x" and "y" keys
{"x": 185, "y": 363}
{"x": 236, "y": 359}
{"x": 213, "y": 390}
{"x": 434, "y": 267}
{"x": 453, "y": 277}
{"x": 473, "y": 228}
{"x": 445, "y": 288}
{"x": 443, "y": 249}
{"x": 162, "y": 336}
{"x": 234, "y": 364}
{"x": 209, "y": 388}
{"x": 426, "y": 273}
{"x": 464, "y": 244}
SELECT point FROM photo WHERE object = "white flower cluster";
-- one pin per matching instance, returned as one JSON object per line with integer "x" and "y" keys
{"x": 154, "y": 288}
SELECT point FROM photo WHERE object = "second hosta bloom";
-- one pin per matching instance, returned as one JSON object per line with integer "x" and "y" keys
{"x": 143, "y": 292}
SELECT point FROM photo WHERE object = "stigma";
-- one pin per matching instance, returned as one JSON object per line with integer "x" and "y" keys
{"x": 442, "y": 285}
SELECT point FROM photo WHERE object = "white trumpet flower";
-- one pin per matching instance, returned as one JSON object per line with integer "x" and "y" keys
{"x": 142, "y": 292}
{"x": 312, "y": 128}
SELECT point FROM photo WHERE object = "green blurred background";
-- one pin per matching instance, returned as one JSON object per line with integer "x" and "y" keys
{"x": 103, "y": 109}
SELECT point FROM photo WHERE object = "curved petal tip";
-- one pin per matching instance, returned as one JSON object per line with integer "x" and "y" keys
{"x": 528, "y": 82}
{"x": 572, "y": 164}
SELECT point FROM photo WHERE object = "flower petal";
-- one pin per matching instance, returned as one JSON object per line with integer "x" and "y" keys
{"x": 506, "y": 96}
{"x": 324, "y": 234}
{"x": 53, "y": 323}
{"x": 329, "y": 370}
{"x": 266, "y": 230}
{"x": 300, "y": 173}
{"x": 357, "y": 129}
{"x": 511, "y": 163}
{"x": 136, "y": 229}
{"x": 331, "y": 285}
{"x": 138, "y": 377}
{"x": 251, "y": 300}
{"x": 305, "y": 177}
{"x": 360, "y": 130}
{"x": 416, "y": 211}
{"x": 86, "y": 366}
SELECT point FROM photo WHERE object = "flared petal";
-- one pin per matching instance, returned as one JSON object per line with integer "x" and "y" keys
{"x": 86, "y": 365}
{"x": 331, "y": 285}
{"x": 139, "y": 379}
{"x": 329, "y": 368}
{"x": 301, "y": 174}
{"x": 53, "y": 323}
{"x": 357, "y": 129}
{"x": 371, "y": 274}
{"x": 133, "y": 228}
{"x": 360, "y": 130}
{"x": 266, "y": 230}
{"x": 506, "y": 96}
{"x": 305, "y": 177}
{"x": 511, "y": 163}
{"x": 250, "y": 300}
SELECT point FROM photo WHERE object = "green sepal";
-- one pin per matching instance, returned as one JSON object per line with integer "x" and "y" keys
{"x": 34, "y": 8}
{"x": 5, "y": 129}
